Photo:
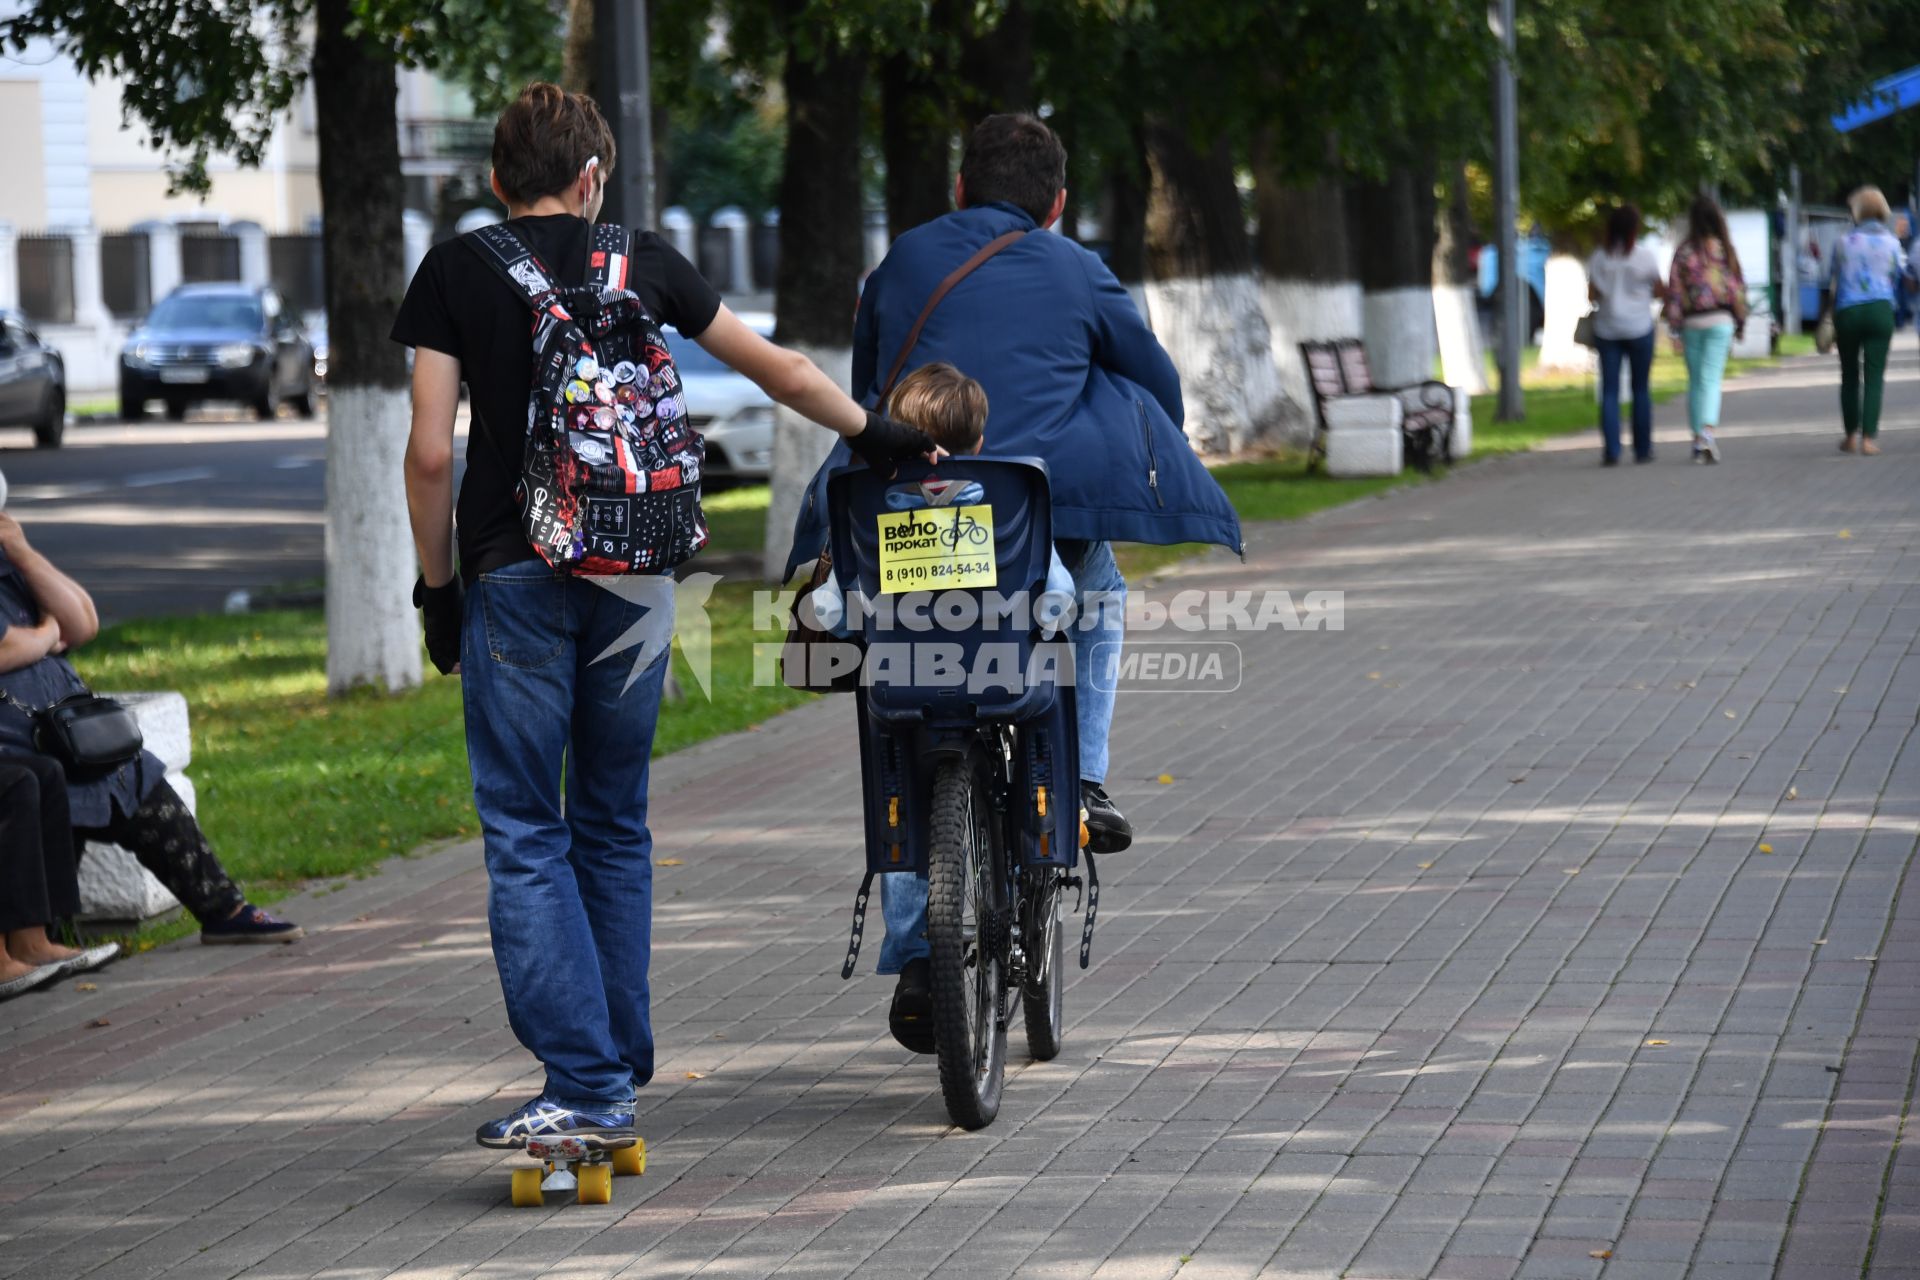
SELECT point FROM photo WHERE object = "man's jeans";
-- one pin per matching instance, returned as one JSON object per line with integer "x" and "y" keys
{"x": 1097, "y": 633}
{"x": 570, "y": 892}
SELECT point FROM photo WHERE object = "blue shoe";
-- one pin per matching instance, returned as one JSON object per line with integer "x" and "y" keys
{"x": 249, "y": 925}
{"x": 541, "y": 1118}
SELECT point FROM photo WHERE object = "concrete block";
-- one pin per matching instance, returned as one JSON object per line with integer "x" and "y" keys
{"x": 163, "y": 723}
{"x": 1363, "y": 436}
{"x": 1462, "y": 439}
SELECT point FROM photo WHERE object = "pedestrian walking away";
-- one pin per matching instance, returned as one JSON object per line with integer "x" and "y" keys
{"x": 1623, "y": 280}
{"x": 1707, "y": 310}
{"x": 1866, "y": 277}
{"x": 525, "y": 626}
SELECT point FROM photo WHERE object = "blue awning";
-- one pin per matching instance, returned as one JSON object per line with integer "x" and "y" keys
{"x": 1894, "y": 94}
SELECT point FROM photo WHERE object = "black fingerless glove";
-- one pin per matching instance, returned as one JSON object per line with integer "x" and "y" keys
{"x": 440, "y": 613}
{"x": 885, "y": 444}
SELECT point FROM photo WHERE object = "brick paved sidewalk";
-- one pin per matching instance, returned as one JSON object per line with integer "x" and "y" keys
{"x": 1562, "y": 906}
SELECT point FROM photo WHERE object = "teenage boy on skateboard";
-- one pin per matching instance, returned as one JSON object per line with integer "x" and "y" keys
{"x": 570, "y": 897}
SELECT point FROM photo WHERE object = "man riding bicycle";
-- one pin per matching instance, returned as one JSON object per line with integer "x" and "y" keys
{"x": 1075, "y": 377}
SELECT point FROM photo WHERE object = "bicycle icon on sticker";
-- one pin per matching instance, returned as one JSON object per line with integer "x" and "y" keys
{"x": 964, "y": 526}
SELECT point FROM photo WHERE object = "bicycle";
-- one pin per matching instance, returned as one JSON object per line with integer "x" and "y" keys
{"x": 975, "y": 786}
{"x": 963, "y": 526}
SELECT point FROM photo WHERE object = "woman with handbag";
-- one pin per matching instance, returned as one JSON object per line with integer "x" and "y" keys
{"x": 1623, "y": 279}
{"x": 127, "y": 802}
{"x": 1707, "y": 310}
{"x": 1863, "y": 283}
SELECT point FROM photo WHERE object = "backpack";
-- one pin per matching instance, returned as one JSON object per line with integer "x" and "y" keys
{"x": 610, "y": 479}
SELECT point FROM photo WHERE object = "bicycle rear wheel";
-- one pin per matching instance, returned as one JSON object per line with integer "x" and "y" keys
{"x": 1041, "y": 998}
{"x": 966, "y": 914}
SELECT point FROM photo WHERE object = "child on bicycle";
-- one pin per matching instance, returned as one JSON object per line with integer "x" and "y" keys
{"x": 952, "y": 409}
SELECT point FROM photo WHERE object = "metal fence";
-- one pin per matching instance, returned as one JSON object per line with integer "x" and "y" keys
{"x": 208, "y": 256}
{"x": 46, "y": 278}
{"x": 298, "y": 270}
{"x": 126, "y": 273}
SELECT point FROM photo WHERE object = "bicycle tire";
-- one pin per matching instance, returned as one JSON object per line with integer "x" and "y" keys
{"x": 1042, "y": 1000}
{"x": 964, "y": 875}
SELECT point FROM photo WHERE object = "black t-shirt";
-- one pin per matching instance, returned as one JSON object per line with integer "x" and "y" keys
{"x": 457, "y": 304}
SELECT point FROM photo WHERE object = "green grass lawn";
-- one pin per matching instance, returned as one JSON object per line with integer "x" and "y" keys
{"x": 296, "y": 787}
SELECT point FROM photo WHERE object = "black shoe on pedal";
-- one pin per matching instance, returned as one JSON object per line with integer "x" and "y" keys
{"x": 911, "y": 1017}
{"x": 1107, "y": 830}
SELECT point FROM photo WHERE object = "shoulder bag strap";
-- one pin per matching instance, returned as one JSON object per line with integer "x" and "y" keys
{"x": 514, "y": 261}
{"x": 959, "y": 273}
{"x": 609, "y": 256}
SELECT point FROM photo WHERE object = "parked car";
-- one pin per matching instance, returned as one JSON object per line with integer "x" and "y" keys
{"x": 33, "y": 382}
{"x": 217, "y": 342}
{"x": 317, "y": 336}
{"x": 733, "y": 414}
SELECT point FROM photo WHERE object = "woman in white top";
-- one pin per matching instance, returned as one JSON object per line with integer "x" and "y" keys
{"x": 1623, "y": 279}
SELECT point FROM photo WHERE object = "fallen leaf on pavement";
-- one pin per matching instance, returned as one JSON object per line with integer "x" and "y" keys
{"x": 1656, "y": 1042}
{"x": 1166, "y": 779}
{"x": 1373, "y": 675}
{"x": 1571, "y": 871}
{"x": 1727, "y": 714}
{"x": 1846, "y": 533}
{"x": 1793, "y": 793}
{"x": 86, "y": 986}
{"x": 1425, "y": 865}
{"x": 1766, "y": 848}
{"x": 696, "y": 1075}
{"x": 667, "y": 862}
{"x": 1599, "y": 1253}
{"x": 99, "y": 1022}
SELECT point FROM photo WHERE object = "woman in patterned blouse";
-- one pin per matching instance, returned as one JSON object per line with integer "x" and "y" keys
{"x": 1707, "y": 310}
{"x": 1863, "y": 283}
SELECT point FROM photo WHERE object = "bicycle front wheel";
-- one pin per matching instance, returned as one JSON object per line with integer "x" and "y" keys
{"x": 966, "y": 918}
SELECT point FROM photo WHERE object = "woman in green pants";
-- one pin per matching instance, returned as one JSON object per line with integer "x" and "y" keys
{"x": 1707, "y": 309}
{"x": 1868, "y": 268}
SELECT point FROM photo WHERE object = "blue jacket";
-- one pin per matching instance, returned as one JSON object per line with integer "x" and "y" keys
{"x": 1072, "y": 375}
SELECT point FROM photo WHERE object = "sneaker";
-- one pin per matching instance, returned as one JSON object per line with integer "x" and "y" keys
{"x": 910, "y": 1017}
{"x": 1609, "y": 459}
{"x": 249, "y": 925}
{"x": 1712, "y": 449}
{"x": 1107, "y": 830}
{"x": 1699, "y": 452}
{"x": 541, "y": 1118}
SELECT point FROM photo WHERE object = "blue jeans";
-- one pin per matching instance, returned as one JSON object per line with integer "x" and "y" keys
{"x": 570, "y": 890}
{"x": 1101, "y": 623}
{"x": 1638, "y": 353}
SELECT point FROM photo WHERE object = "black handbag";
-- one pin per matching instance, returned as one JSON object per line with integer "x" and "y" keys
{"x": 89, "y": 735}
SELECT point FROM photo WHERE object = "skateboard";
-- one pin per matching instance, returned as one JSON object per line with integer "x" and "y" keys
{"x": 590, "y": 1166}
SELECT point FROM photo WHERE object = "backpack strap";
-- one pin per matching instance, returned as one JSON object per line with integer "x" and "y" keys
{"x": 609, "y": 256}
{"x": 514, "y": 261}
{"x": 958, "y": 274}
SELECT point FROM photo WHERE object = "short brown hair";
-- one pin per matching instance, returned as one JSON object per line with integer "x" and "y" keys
{"x": 1014, "y": 159}
{"x": 943, "y": 402}
{"x": 544, "y": 138}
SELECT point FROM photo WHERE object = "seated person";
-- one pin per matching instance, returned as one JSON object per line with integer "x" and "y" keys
{"x": 38, "y": 884}
{"x": 43, "y": 613}
{"x": 952, "y": 409}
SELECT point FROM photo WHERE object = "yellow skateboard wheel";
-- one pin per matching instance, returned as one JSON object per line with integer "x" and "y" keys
{"x": 596, "y": 1183}
{"x": 526, "y": 1188}
{"x": 630, "y": 1161}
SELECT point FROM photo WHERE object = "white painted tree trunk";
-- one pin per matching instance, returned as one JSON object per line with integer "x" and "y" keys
{"x": 373, "y": 632}
{"x": 1399, "y": 334}
{"x": 1216, "y": 332}
{"x": 1463, "y": 356}
{"x": 800, "y": 445}
{"x": 1305, "y": 311}
{"x": 1565, "y": 303}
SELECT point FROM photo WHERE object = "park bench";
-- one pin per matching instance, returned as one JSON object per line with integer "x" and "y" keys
{"x": 1384, "y": 426}
{"x": 113, "y": 884}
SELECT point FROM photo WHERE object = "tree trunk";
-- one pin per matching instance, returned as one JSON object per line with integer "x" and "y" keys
{"x": 916, "y": 127}
{"x": 1128, "y": 183}
{"x": 373, "y": 635}
{"x": 1456, "y": 318}
{"x": 1391, "y": 225}
{"x": 1204, "y": 299}
{"x": 577, "y": 74}
{"x": 1308, "y": 283}
{"x": 821, "y": 256}
{"x": 998, "y": 64}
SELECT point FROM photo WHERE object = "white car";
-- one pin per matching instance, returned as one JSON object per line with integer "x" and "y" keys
{"x": 733, "y": 414}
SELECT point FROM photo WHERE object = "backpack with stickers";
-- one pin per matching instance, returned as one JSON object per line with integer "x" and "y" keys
{"x": 610, "y": 480}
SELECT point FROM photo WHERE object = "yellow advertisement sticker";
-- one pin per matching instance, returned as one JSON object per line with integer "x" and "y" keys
{"x": 936, "y": 548}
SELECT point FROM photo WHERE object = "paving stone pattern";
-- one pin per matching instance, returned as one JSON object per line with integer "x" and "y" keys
{"x": 1557, "y": 918}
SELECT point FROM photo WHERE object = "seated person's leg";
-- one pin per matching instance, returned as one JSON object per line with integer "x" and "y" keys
{"x": 24, "y": 900}
{"x": 163, "y": 835}
{"x": 903, "y": 903}
{"x": 37, "y": 844}
{"x": 1097, "y": 635}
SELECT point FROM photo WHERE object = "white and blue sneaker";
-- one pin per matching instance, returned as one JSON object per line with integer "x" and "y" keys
{"x": 543, "y": 1118}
